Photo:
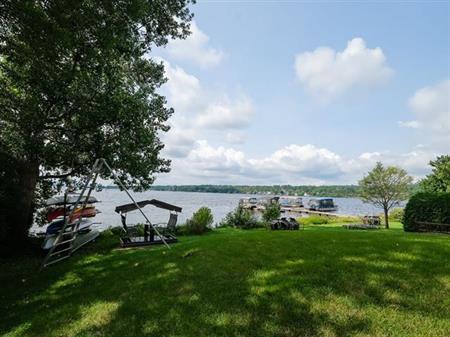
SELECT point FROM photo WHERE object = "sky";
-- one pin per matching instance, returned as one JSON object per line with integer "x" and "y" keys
{"x": 301, "y": 92}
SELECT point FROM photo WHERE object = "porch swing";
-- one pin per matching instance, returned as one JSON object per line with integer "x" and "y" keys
{"x": 153, "y": 234}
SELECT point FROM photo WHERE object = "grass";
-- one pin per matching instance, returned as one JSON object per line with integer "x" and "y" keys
{"x": 321, "y": 220}
{"x": 323, "y": 281}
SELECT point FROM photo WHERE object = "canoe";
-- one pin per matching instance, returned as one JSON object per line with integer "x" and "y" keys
{"x": 81, "y": 239}
{"x": 88, "y": 212}
{"x": 69, "y": 199}
{"x": 56, "y": 226}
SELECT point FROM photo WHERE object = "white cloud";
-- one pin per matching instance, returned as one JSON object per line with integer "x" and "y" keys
{"x": 307, "y": 160}
{"x": 180, "y": 139}
{"x": 195, "y": 49}
{"x": 208, "y": 158}
{"x": 227, "y": 115}
{"x": 414, "y": 162}
{"x": 234, "y": 138}
{"x": 292, "y": 164}
{"x": 409, "y": 124}
{"x": 327, "y": 73}
{"x": 183, "y": 90}
{"x": 431, "y": 106}
{"x": 198, "y": 111}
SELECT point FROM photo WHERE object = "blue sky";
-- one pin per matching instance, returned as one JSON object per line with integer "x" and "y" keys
{"x": 307, "y": 92}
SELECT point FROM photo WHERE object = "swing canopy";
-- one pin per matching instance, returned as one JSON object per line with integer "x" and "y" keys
{"x": 158, "y": 203}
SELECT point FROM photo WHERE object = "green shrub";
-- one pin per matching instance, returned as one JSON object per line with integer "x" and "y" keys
{"x": 427, "y": 207}
{"x": 181, "y": 230}
{"x": 271, "y": 212}
{"x": 200, "y": 222}
{"x": 396, "y": 214}
{"x": 322, "y": 220}
{"x": 240, "y": 218}
{"x": 345, "y": 219}
{"x": 314, "y": 220}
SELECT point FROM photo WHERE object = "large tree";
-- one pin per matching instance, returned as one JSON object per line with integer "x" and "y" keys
{"x": 77, "y": 83}
{"x": 385, "y": 187}
{"x": 439, "y": 179}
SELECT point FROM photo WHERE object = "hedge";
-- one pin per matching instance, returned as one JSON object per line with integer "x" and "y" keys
{"x": 426, "y": 207}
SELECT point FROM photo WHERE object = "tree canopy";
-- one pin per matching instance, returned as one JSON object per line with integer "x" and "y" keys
{"x": 385, "y": 187}
{"x": 439, "y": 179}
{"x": 77, "y": 83}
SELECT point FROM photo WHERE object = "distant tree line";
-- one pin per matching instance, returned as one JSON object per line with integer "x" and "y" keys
{"x": 300, "y": 190}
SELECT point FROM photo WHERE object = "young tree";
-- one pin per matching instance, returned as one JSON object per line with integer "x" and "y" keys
{"x": 76, "y": 83}
{"x": 385, "y": 187}
{"x": 439, "y": 179}
{"x": 271, "y": 212}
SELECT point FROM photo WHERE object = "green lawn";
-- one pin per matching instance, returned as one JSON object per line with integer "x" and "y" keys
{"x": 323, "y": 281}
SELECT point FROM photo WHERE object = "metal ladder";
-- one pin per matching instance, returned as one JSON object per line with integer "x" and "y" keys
{"x": 64, "y": 242}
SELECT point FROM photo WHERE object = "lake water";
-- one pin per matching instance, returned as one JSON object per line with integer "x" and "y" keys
{"x": 219, "y": 203}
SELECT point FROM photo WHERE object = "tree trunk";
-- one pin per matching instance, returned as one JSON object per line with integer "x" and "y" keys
{"x": 19, "y": 206}
{"x": 386, "y": 217}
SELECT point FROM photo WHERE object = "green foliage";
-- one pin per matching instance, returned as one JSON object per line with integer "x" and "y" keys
{"x": 314, "y": 220}
{"x": 396, "y": 214}
{"x": 271, "y": 212}
{"x": 77, "y": 84}
{"x": 331, "y": 190}
{"x": 385, "y": 187}
{"x": 439, "y": 179}
{"x": 240, "y": 218}
{"x": 200, "y": 222}
{"x": 322, "y": 220}
{"x": 426, "y": 207}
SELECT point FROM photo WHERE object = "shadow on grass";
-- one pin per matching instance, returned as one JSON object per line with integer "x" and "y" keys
{"x": 237, "y": 283}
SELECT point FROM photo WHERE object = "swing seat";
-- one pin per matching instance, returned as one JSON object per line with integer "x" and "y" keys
{"x": 154, "y": 234}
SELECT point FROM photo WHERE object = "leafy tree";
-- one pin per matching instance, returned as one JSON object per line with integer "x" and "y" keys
{"x": 240, "y": 218}
{"x": 385, "y": 187}
{"x": 200, "y": 222}
{"x": 76, "y": 83}
{"x": 439, "y": 179}
{"x": 271, "y": 212}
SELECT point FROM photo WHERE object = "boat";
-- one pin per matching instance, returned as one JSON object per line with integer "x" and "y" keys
{"x": 249, "y": 202}
{"x": 322, "y": 205}
{"x": 80, "y": 240}
{"x": 55, "y": 227}
{"x": 291, "y": 202}
{"x": 88, "y": 212}
{"x": 57, "y": 211}
{"x": 68, "y": 199}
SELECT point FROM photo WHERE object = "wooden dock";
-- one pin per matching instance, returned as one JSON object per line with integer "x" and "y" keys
{"x": 307, "y": 211}
{"x": 300, "y": 210}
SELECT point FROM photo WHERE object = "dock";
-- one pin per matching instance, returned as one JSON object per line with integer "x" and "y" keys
{"x": 307, "y": 211}
{"x": 300, "y": 210}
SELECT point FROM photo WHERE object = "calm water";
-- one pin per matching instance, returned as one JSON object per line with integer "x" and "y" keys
{"x": 220, "y": 204}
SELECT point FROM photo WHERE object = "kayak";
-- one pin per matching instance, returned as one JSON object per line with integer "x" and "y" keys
{"x": 82, "y": 238}
{"x": 56, "y": 226}
{"x": 88, "y": 212}
{"x": 69, "y": 199}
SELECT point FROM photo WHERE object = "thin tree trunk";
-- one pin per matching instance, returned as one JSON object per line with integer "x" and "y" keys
{"x": 386, "y": 217}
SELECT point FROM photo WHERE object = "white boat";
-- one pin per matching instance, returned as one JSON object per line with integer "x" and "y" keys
{"x": 68, "y": 199}
{"x": 54, "y": 228}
